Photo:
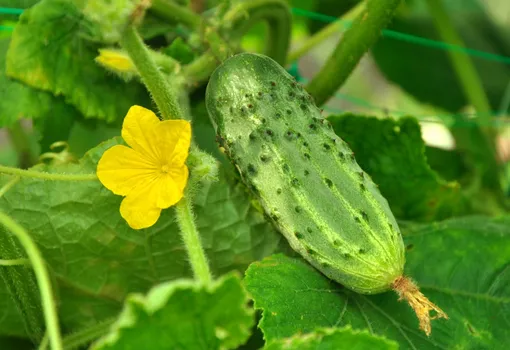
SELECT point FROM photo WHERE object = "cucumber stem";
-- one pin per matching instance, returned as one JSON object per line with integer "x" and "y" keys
{"x": 407, "y": 290}
{"x": 356, "y": 41}
{"x": 170, "y": 10}
{"x": 276, "y": 13}
{"x": 192, "y": 242}
{"x": 163, "y": 94}
{"x": 166, "y": 99}
{"x": 478, "y": 143}
{"x": 339, "y": 25}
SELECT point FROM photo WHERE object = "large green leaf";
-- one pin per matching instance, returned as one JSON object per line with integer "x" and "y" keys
{"x": 53, "y": 117}
{"x": 10, "y": 321}
{"x": 426, "y": 72}
{"x": 58, "y": 59}
{"x": 393, "y": 153}
{"x": 20, "y": 101}
{"x": 333, "y": 339}
{"x": 447, "y": 163}
{"x": 183, "y": 314}
{"x": 14, "y": 4}
{"x": 95, "y": 255}
{"x": 460, "y": 264}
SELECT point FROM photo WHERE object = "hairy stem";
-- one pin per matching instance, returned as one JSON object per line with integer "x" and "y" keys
{"x": 170, "y": 10}
{"x": 166, "y": 99}
{"x": 339, "y": 25}
{"x": 163, "y": 94}
{"x": 356, "y": 41}
{"x": 191, "y": 238}
{"x": 43, "y": 279}
{"x": 477, "y": 142}
{"x": 47, "y": 176}
{"x": 276, "y": 13}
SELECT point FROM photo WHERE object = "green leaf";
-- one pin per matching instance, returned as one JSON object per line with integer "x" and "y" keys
{"x": 333, "y": 339}
{"x": 109, "y": 18}
{"x": 53, "y": 118}
{"x": 100, "y": 259}
{"x": 58, "y": 59}
{"x": 152, "y": 27}
{"x": 20, "y": 101}
{"x": 11, "y": 324}
{"x": 447, "y": 163}
{"x": 15, "y": 344}
{"x": 21, "y": 285}
{"x": 87, "y": 134}
{"x": 426, "y": 72}
{"x": 183, "y": 315}
{"x": 20, "y": 4}
{"x": 180, "y": 50}
{"x": 461, "y": 265}
{"x": 393, "y": 153}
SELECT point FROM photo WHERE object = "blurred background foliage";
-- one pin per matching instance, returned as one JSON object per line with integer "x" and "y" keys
{"x": 406, "y": 73}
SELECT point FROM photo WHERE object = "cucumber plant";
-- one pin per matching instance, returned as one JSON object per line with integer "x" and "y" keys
{"x": 307, "y": 179}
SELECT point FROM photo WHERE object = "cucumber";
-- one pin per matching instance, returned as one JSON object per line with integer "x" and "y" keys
{"x": 305, "y": 177}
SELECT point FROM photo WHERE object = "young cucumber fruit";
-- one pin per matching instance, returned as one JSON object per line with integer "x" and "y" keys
{"x": 307, "y": 179}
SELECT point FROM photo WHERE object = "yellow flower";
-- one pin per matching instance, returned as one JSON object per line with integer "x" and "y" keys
{"x": 152, "y": 174}
{"x": 116, "y": 60}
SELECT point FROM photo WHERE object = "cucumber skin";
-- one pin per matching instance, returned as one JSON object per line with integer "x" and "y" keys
{"x": 305, "y": 177}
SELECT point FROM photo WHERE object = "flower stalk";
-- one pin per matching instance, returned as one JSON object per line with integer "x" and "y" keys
{"x": 192, "y": 242}
{"x": 167, "y": 101}
{"x": 164, "y": 96}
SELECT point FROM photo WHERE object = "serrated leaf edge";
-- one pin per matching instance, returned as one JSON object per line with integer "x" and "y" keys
{"x": 321, "y": 332}
{"x": 155, "y": 299}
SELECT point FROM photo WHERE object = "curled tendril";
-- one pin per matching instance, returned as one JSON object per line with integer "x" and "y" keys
{"x": 64, "y": 156}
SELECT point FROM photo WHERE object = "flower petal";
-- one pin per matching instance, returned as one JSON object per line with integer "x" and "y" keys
{"x": 139, "y": 208}
{"x": 138, "y": 131}
{"x": 137, "y": 213}
{"x": 173, "y": 138}
{"x": 171, "y": 186}
{"x": 121, "y": 169}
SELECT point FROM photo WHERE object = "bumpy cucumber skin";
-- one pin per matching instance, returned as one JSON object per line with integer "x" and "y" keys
{"x": 305, "y": 177}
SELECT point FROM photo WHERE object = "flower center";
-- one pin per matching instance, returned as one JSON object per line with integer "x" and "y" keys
{"x": 165, "y": 169}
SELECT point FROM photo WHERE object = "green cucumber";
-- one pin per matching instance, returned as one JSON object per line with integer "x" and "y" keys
{"x": 305, "y": 177}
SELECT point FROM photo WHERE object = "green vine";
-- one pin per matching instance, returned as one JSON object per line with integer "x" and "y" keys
{"x": 47, "y": 176}
{"x": 276, "y": 13}
{"x": 478, "y": 141}
{"x": 43, "y": 279}
{"x": 164, "y": 96}
{"x": 166, "y": 99}
{"x": 170, "y": 10}
{"x": 326, "y": 32}
{"x": 356, "y": 41}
